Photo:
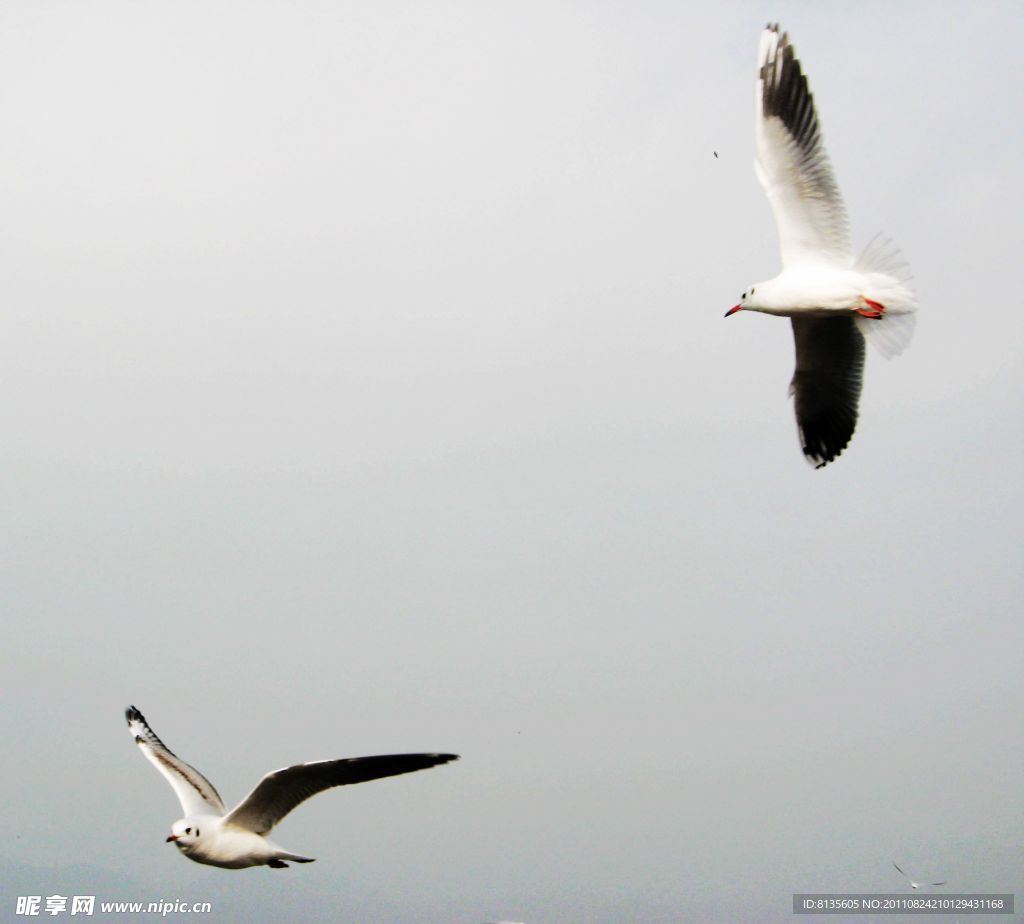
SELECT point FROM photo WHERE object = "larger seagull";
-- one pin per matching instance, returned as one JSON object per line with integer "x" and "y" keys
{"x": 834, "y": 300}
{"x": 210, "y": 834}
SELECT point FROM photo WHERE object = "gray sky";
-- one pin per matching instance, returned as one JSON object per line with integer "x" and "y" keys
{"x": 366, "y": 389}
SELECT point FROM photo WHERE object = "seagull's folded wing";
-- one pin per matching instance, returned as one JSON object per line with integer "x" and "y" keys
{"x": 194, "y": 791}
{"x": 826, "y": 385}
{"x": 792, "y": 164}
{"x": 279, "y": 792}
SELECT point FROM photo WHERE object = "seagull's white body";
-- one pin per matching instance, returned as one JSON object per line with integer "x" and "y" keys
{"x": 228, "y": 846}
{"x": 833, "y": 299}
{"x": 237, "y": 839}
{"x": 818, "y": 291}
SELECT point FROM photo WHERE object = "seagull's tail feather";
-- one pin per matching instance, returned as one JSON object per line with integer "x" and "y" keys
{"x": 883, "y": 256}
{"x": 891, "y": 335}
{"x": 294, "y": 857}
{"x": 889, "y": 284}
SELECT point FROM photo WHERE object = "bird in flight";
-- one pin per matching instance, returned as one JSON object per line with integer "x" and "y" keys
{"x": 834, "y": 301}
{"x": 917, "y": 885}
{"x": 210, "y": 834}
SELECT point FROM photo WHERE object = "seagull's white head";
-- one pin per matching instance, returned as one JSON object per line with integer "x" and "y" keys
{"x": 184, "y": 834}
{"x": 748, "y": 300}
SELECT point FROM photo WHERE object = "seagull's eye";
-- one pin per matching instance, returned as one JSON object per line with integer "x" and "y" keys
{"x": 188, "y": 830}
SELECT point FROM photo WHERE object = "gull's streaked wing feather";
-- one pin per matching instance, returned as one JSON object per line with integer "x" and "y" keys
{"x": 826, "y": 385}
{"x": 194, "y": 791}
{"x": 279, "y": 792}
{"x": 792, "y": 163}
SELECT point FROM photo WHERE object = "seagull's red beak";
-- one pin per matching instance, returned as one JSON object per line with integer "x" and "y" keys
{"x": 733, "y": 310}
{"x": 171, "y": 837}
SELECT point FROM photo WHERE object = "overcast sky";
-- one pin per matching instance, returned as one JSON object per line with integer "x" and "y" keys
{"x": 365, "y": 388}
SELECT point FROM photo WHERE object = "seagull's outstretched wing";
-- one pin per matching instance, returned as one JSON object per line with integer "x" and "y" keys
{"x": 792, "y": 164}
{"x": 279, "y": 792}
{"x": 826, "y": 386}
{"x": 194, "y": 791}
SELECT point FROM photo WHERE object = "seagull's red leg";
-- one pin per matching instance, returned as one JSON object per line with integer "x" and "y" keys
{"x": 873, "y": 310}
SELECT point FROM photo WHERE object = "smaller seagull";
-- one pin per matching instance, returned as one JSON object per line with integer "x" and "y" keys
{"x": 716, "y": 154}
{"x": 210, "y": 834}
{"x": 917, "y": 885}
